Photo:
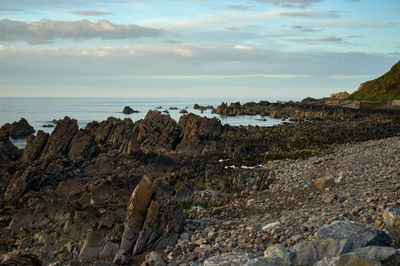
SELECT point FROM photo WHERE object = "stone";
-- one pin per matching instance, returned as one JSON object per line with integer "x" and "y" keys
{"x": 324, "y": 182}
{"x": 154, "y": 218}
{"x": 20, "y": 184}
{"x": 34, "y": 146}
{"x": 236, "y": 259}
{"x": 386, "y": 255}
{"x": 60, "y": 139}
{"x": 122, "y": 257}
{"x": 358, "y": 233}
{"x": 21, "y": 129}
{"x": 251, "y": 203}
{"x": 277, "y": 251}
{"x": 82, "y": 147}
{"x": 391, "y": 217}
{"x": 348, "y": 259}
{"x": 310, "y": 251}
{"x": 128, "y": 110}
{"x": 154, "y": 259}
{"x": 18, "y": 257}
{"x": 93, "y": 245}
{"x": 270, "y": 226}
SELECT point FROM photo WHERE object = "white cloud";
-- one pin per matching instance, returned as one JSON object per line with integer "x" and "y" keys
{"x": 243, "y": 47}
{"x": 46, "y": 30}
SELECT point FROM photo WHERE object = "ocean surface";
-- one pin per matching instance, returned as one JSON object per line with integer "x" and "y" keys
{"x": 41, "y": 111}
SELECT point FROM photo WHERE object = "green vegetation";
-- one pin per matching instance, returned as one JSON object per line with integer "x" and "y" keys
{"x": 386, "y": 86}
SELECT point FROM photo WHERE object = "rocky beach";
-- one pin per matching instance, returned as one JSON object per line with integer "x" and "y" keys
{"x": 320, "y": 189}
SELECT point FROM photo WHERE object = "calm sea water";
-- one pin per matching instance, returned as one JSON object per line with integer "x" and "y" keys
{"x": 41, "y": 111}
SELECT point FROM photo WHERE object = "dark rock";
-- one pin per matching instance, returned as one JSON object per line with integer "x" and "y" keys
{"x": 7, "y": 150}
{"x": 158, "y": 133}
{"x": 122, "y": 257}
{"x": 18, "y": 257}
{"x": 82, "y": 147}
{"x": 60, "y": 138}
{"x": 154, "y": 218}
{"x": 128, "y": 110}
{"x": 20, "y": 184}
{"x": 34, "y": 146}
{"x": 358, "y": 233}
{"x": 21, "y": 129}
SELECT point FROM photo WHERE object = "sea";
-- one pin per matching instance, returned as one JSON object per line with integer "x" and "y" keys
{"x": 42, "y": 111}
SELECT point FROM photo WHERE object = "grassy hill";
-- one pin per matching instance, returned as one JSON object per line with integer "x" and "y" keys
{"x": 386, "y": 86}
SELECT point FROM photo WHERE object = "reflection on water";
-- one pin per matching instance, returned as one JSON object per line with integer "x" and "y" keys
{"x": 40, "y": 112}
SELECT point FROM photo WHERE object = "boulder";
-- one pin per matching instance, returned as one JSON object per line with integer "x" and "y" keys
{"x": 348, "y": 259}
{"x": 21, "y": 129}
{"x": 95, "y": 247}
{"x": 128, "y": 110}
{"x": 324, "y": 182}
{"x": 386, "y": 255}
{"x": 391, "y": 217}
{"x": 199, "y": 135}
{"x": 60, "y": 138}
{"x": 82, "y": 147}
{"x": 279, "y": 252}
{"x": 358, "y": 233}
{"x": 7, "y": 149}
{"x": 155, "y": 259}
{"x": 158, "y": 133}
{"x": 20, "y": 183}
{"x": 154, "y": 219}
{"x": 34, "y": 146}
{"x": 310, "y": 251}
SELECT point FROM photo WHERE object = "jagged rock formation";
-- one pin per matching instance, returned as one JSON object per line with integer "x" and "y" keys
{"x": 19, "y": 129}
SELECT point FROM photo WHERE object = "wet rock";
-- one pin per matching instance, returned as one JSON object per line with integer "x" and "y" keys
{"x": 154, "y": 259}
{"x": 60, "y": 138}
{"x": 154, "y": 218}
{"x": 128, "y": 110}
{"x": 324, "y": 182}
{"x": 34, "y": 146}
{"x": 358, "y": 233}
{"x": 391, "y": 217}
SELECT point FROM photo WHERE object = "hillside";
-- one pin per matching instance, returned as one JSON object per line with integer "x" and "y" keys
{"x": 386, "y": 86}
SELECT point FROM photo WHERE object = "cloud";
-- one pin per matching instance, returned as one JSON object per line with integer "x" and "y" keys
{"x": 44, "y": 31}
{"x": 91, "y": 13}
{"x": 291, "y": 3}
{"x": 304, "y": 29}
{"x": 243, "y": 47}
{"x": 330, "y": 39}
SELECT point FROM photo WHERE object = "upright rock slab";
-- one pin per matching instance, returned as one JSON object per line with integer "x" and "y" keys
{"x": 61, "y": 137}
{"x": 391, "y": 217}
{"x": 154, "y": 218}
{"x": 34, "y": 146}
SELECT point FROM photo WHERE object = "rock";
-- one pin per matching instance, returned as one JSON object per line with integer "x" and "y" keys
{"x": 358, "y": 233}
{"x": 310, "y": 251}
{"x": 122, "y": 257}
{"x": 183, "y": 111}
{"x": 158, "y": 133}
{"x": 236, "y": 259}
{"x": 324, "y": 182}
{"x": 20, "y": 184}
{"x": 21, "y": 129}
{"x": 154, "y": 219}
{"x": 18, "y": 257}
{"x": 83, "y": 147}
{"x": 92, "y": 246}
{"x": 109, "y": 250}
{"x": 154, "y": 259}
{"x": 7, "y": 149}
{"x": 386, "y": 255}
{"x": 277, "y": 251}
{"x": 128, "y": 110}
{"x": 340, "y": 95}
{"x": 183, "y": 193}
{"x": 251, "y": 203}
{"x": 391, "y": 217}
{"x": 34, "y": 146}
{"x": 60, "y": 138}
{"x": 68, "y": 188}
{"x": 270, "y": 226}
{"x": 349, "y": 259}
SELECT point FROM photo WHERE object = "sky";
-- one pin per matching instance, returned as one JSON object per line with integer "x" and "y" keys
{"x": 194, "y": 48}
